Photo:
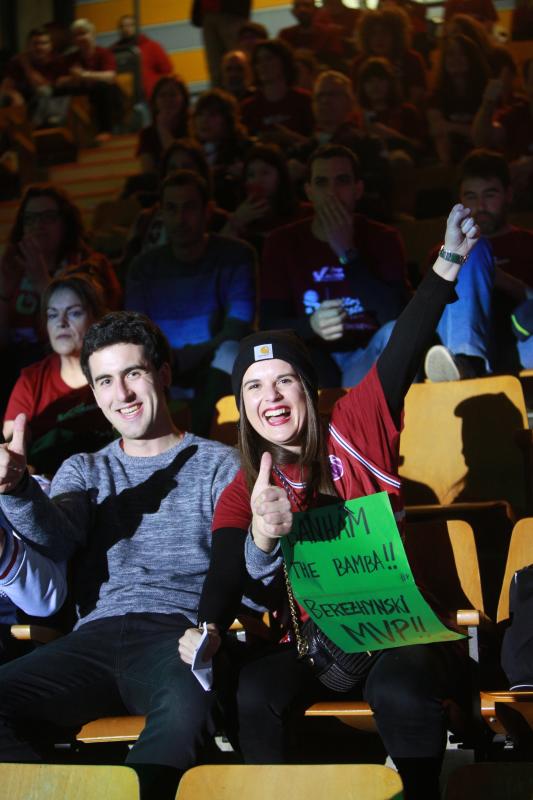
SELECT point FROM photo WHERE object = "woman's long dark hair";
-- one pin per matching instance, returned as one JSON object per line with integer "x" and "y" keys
{"x": 313, "y": 457}
{"x": 283, "y": 203}
{"x": 73, "y": 240}
{"x": 181, "y": 128}
{"x": 380, "y": 68}
{"x": 478, "y": 75}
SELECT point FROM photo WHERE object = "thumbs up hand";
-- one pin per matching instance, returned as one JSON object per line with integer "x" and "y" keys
{"x": 271, "y": 509}
{"x": 13, "y": 457}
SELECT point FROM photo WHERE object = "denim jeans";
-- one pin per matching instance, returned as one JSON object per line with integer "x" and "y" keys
{"x": 114, "y": 666}
{"x": 355, "y": 364}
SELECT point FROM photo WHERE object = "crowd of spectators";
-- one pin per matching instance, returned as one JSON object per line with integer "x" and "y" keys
{"x": 268, "y": 203}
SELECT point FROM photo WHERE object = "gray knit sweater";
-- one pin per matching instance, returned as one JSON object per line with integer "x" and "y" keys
{"x": 140, "y": 527}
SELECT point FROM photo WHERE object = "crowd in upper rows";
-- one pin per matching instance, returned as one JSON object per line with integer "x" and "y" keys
{"x": 263, "y": 204}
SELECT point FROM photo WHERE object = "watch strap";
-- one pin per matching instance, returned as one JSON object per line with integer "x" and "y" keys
{"x": 448, "y": 255}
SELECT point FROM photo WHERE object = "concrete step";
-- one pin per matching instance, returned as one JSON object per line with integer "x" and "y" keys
{"x": 90, "y": 200}
{"x": 99, "y": 156}
{"x": 94, "y": 186}
{"x": 65, "y": 174}
{"x": 8, "y": 211}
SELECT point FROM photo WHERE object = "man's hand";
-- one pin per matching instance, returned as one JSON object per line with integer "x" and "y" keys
{"x": 336, "y": 223}
{"x": 191, "y": 639}
{"x": 271, "y": 509}
{"x": 328, "y": 320}
{"x": 13, "y": 457}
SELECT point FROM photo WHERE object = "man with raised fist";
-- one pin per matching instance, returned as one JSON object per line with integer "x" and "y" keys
{"x": 138, "y": 516}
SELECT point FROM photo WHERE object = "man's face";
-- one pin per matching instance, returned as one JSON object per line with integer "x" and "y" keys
{"x": 334, "y": 177}
{"x": 304, "y": 11}
{"x": 126, "y": 27}
{"x": 234, "y": 70}
{"x": 331, "y": 102}
{"x": 83, "y": 38}
{"x": 184, "y": 216}
{"x": 40, "y": 47}
{"x": 488, "y": 200}
{"x": 130, "y": 391}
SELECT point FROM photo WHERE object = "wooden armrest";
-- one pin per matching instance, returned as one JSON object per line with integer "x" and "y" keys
{"x": 471, "y": 617}
{"x": 34, "y": 633}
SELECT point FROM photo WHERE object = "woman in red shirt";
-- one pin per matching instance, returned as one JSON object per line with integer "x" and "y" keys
{"x": 62, "y": 415}
{"x": 292, "y": 462}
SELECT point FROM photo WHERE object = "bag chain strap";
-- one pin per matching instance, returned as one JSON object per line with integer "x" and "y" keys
{"x": 302, "y": 645}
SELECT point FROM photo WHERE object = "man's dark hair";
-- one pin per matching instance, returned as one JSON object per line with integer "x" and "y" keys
{"x": 327, "y": 151}
{"x": 187, "y": 177}
{"x": 125, "y": 327}
{"x": 486, "y": 164}
{"x": 194, "y": 150}
{"x": 255, "y": 28}
{"x": 37, "y": 32}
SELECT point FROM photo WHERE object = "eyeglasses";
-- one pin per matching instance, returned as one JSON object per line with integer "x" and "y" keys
{"x": 73, "y": 313}
{"x": 46, "y": 217}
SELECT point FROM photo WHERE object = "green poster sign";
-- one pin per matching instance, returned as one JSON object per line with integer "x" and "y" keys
{"x": 349, "y": 571}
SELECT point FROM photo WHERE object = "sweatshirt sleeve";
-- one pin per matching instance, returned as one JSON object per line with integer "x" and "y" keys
{"x": 33, "y": 582}
{"x": 55, "y": 525}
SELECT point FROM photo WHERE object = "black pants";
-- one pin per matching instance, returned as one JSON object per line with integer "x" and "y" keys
{"x": 405, "y": 689}
{"x": 120, "y": 665}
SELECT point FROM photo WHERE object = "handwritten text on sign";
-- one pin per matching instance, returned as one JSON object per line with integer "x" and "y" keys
{"x": 349, "y": 571}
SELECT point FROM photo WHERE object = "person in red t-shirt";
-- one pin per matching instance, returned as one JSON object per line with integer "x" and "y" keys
{"x": 30, "y": 77}
{"x": 60, "y": 409}
{"x": 399, "y": 125}
{"x": 323, "y": 39}
{"x": 483, "y": 10}
{"x": 338, "y": 279}
{"x": 334, "y": 11}
{"x": 154, "y": 61}
{"x": 92, "y": 71}
{"x": 276, "y": 108}
{"x": 292, "y": 461}
{"x": 510, "y": 129}
{"x": 502, "y": 281}
{"x": 386, "y": 33}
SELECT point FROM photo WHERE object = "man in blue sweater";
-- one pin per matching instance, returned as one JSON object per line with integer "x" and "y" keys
{"x": 200, "y": 289}
{"x": 138, "y": 516}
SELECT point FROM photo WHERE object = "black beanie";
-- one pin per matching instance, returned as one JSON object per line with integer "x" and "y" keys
{"x": 264, "y": 345}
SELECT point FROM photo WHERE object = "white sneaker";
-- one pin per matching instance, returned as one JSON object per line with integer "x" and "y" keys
{"x": 440, "y": 365}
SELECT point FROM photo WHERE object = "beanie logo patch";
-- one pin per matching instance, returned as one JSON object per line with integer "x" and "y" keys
{"x": 263, "y": 351}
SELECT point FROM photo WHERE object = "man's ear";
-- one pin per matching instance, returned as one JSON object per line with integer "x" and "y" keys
{"x": 165, "y": 373}
{"x": 359, "y": 189}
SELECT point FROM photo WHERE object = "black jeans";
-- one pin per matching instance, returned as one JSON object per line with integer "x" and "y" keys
{"x": 405, "y": 689}
{"x": 120, "y": 665}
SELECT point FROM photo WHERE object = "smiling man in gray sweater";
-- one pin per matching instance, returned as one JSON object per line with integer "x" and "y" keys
{"x": 137, "y": 514}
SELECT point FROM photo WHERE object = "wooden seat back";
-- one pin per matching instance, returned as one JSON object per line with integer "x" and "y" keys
{"x": 520, "y": 555}
{"x": 462, "y": 442}
{"x": 71, "y": 782}
{"x": 291, "y": 782}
